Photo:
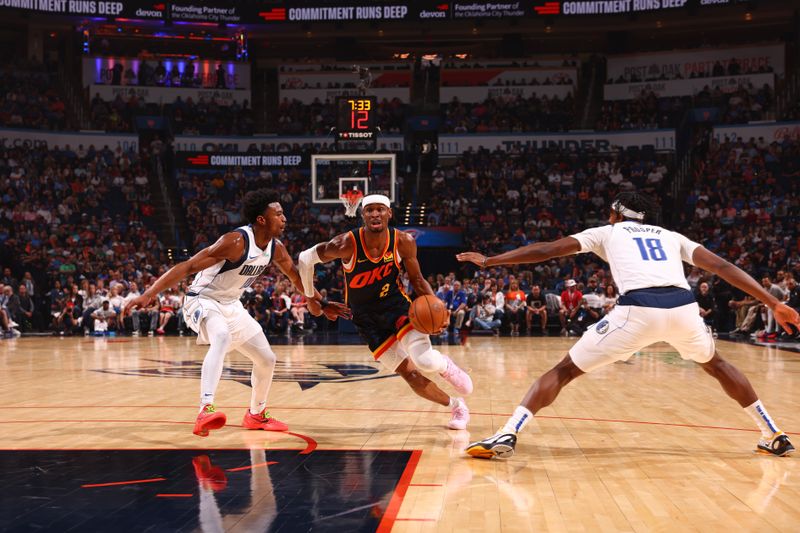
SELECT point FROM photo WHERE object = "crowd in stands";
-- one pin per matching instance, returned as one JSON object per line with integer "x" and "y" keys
{"x": 216, "y": 116}
{"x": 509, "y": 113}
{"x": 157, "y": 75}
{"x": 316, "y": 65}
{"x": 299, "y": 84}
{"x": 29, "y": 96}
{"x": 68, "y": 217}
{"x": 743, "y": 204}
{"x": 513, "y": 63}
{"x": 91, "y": 241}
{"x": 718, "y": 69}
{"x": 556, "y": 79}
{"x": 648, "y": 111}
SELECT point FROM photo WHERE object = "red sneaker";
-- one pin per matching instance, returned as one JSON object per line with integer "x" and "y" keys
{"x": 262, "y": 421}
{"x": 208, "y": 419}
{"x": 209, "y": 476}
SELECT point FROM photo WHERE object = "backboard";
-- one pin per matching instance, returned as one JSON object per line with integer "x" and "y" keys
{"x": 332, "y": 174}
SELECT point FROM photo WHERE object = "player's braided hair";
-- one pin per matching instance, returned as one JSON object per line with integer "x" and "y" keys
{"x": 256, "y": 202}
{"x": 640, "y": 203}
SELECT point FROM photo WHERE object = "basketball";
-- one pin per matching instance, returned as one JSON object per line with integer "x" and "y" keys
{"x": 427, "y": 313}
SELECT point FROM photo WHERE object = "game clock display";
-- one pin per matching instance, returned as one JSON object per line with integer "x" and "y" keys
{"x": 356, "y": 117}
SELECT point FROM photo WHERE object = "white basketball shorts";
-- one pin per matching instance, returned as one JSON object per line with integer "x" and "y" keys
{"x": 241, "y": 325}
{"x": 629, "y": 328}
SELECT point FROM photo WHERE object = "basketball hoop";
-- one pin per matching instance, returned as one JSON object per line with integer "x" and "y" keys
{"x": 351, "y": 199}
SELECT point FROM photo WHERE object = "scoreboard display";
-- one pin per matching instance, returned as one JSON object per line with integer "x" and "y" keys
{"x": 356, "y": 118}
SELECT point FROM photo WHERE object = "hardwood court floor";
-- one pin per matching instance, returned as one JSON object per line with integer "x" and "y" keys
{"x": 651, "y": 445}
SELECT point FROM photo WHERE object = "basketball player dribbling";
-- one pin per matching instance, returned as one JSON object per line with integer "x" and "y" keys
{"x": 213, "y": 310}
{"x": 656, "y": 305}
{"x": 371, "y": 257}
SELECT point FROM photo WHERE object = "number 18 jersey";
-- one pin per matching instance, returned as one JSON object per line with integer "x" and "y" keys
{"x": 640, "y": 255}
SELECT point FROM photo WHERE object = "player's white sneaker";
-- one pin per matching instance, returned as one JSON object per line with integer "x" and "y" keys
{"x": 456, "y": 377}
{"x": 460, "y": 417}
{"x": 778, "y": 445}
{"x": 498, "y": 445}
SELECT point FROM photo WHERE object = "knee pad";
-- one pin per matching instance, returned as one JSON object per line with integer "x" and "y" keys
{"x": 430, "y": 361}
{"x": 424, "y": 356}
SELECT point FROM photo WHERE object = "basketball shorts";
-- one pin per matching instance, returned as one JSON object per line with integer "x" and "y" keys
{"x": 241, "y": 325}
{"x": 629, "y": 328}
{"x": 382, "y": 328}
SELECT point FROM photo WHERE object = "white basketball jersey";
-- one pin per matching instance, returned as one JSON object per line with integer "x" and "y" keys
{"x": 226, "y": 281}
{"x": 640, "y": 255}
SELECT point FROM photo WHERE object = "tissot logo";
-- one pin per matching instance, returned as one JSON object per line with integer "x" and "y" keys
{"x": 306, "y": 375}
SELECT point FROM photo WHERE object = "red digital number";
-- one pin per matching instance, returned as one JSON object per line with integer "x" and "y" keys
{"x": 359, "y": 120}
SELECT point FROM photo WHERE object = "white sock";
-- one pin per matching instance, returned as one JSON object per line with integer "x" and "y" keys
{"x": 259, "y": 407}
{"x": 453, "y": 402}
{"x": 762, "y": 419}
{"x": 518, "y": 420}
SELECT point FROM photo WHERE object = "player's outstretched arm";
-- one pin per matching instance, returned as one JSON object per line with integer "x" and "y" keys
{"x": 228, "y": 247}
{"x": 316, "y": 303}
{"x": 532, "y": 253}
{"x": 740, "y": 279}
{"x": 340, "y": 247}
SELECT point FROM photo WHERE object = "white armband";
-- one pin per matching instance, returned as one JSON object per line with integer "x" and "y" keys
{"x": 305, "y": 265}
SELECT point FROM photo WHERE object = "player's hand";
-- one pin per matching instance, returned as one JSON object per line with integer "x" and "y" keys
{"x": 786, "y": 316}
{"x": 472, "y": 257}
{"x": 139, "y": 302}
{"x": 314, "y": 307}
{"x": 444, "y": 325}
{"x": 336, "y": 310}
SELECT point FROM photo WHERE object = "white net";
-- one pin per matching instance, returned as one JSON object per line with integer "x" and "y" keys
{"x": 351, "y": 200}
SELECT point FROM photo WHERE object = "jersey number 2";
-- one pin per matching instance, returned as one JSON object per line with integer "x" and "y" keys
{"x": 384, "y": 291}
{"x": 651, "y": 249}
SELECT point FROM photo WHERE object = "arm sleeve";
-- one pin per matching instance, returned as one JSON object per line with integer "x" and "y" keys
{"x": 687, "y": 246}
{"x": 305, "y": 266}
{"x": 592, "y": 239}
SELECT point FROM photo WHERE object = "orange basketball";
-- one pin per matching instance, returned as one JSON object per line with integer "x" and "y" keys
{"x": 427, "y": 313}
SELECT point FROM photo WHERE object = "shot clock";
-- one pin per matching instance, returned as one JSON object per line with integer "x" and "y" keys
{"x": 356, "y": 117}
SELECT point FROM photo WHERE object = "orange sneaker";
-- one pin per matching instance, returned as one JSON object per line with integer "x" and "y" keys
{"x": 208, "y": 419}
{"x": 262, "y": 421}
{"x": 209, "y": 476}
